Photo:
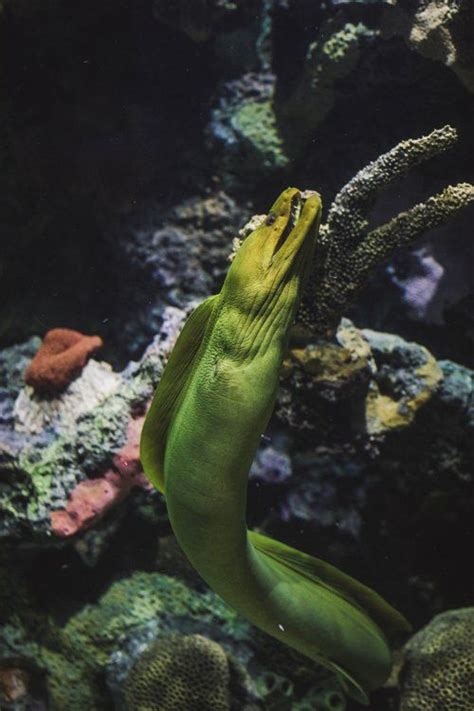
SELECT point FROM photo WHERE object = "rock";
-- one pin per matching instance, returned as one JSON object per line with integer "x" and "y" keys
{"x": 439, "y": 30}
{"x": 371, "y": 381}
{"x": 201, "y": 20}
{"x": 33, "y": 413}
{"x": 419, "y": 284}
{"x": 181, "y": 256}
{"x": 406, "y": 378}
{"x": 13, "y": 684}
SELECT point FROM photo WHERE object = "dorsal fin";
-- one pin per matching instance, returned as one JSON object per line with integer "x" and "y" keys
{"x": 391, "y": 622}
{"x": 171, "y": 386}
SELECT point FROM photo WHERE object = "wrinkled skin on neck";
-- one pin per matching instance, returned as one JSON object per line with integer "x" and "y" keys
{"x": 261, "y": 292}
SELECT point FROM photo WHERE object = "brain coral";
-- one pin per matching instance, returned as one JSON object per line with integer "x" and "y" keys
{"x": 180, "y": 672}
{"x": 438, "y": 674}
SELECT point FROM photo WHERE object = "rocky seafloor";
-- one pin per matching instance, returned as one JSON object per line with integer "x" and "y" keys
{"x": 137, "y": 138}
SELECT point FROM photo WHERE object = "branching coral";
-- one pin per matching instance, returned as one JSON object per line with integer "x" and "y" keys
{"x": 347, "y": 251}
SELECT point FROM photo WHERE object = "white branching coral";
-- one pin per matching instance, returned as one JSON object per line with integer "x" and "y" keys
{"x": 347, "y": 251}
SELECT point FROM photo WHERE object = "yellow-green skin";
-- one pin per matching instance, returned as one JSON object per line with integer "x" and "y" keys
{"x": 201, "y": 434}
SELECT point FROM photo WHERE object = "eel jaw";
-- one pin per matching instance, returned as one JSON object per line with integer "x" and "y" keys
{"x": 295, "y": 212}
{"x": 300, "y": 230}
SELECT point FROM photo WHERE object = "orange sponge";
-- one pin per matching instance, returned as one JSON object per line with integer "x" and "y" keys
{"x": 60, "y": 360}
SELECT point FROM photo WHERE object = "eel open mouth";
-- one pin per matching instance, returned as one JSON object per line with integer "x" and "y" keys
{"x": 297, "y": 203}
{"x": 295, "y": 212}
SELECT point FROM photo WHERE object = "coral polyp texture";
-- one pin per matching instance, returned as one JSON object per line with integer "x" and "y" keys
{"x": 60, "y": 360}
{"x": 347, "y": 251}
{"x": 438, "y": 673}
{"x": 180, "y": 672}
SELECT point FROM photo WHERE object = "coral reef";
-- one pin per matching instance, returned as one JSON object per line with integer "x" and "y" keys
{"x": 140, "y": 623}
{"x": 60, "y": 360}
{"x": 93, "y": 464}
{"x": 135, "y": 139}
{"x": 438, "y": 665}
{"x": 347, "y": 251}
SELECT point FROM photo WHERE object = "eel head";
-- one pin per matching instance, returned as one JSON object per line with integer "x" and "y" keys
{"x": 264, "y": 283}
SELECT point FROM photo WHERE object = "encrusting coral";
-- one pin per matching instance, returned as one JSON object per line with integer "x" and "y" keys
{"x": 60, "y": 360}
{"x": 92, "y": 498}
{"x": 439, "y": 664}
{"x": 347, "y": 251}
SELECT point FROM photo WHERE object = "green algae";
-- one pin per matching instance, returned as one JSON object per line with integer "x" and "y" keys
{"x": 256, "y": 123}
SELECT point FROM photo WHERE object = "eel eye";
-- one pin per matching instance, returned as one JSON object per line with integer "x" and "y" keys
{"x": 270, "y": 219}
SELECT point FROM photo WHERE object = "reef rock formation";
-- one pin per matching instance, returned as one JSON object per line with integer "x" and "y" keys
{"x": 63, "y": 478}
{"x": 441, "y": 30}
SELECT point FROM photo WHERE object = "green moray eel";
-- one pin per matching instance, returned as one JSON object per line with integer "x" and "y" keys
{"x": 201, "y": 433}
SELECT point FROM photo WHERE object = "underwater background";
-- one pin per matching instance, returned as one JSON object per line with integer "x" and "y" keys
{"x": 136, "y": 139}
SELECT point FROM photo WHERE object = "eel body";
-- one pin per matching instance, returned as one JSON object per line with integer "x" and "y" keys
{"x": 200, "y": 436}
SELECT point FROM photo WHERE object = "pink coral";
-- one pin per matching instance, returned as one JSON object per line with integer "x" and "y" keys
{"x": 91, "y": 499}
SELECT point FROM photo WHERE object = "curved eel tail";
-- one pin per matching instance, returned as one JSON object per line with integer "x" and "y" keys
{"x": 301, "y": 566}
